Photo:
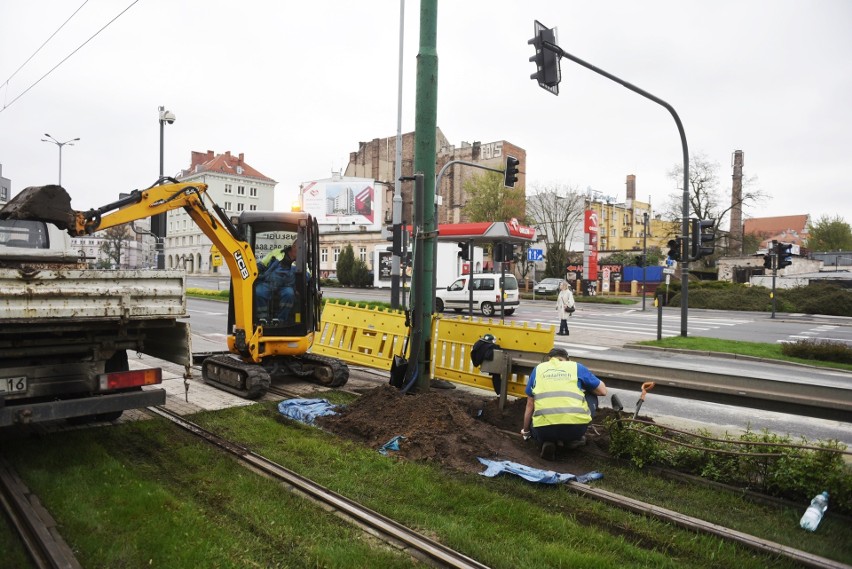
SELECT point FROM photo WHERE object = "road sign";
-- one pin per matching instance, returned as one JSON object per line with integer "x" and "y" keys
{"x": 668, "y": 271}
{"x": 535, "y": 254}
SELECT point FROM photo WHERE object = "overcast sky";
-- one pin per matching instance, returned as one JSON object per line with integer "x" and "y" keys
{"x": 296, "y": 85}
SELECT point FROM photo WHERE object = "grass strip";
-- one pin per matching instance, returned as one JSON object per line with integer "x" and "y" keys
{"x": 753, "y": 349}
{"x": 141, "y": 494}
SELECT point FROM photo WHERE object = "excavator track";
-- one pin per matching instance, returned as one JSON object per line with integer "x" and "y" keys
{"x": 241, "y": 378}
{"x": 328, "y": 371}
{"x": 322, "y": 370}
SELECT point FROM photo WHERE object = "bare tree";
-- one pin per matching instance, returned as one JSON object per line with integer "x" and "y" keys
{"x": 557, "y": 214}
{"x": 114, "y": 239}
{"x": 704, "y": 192}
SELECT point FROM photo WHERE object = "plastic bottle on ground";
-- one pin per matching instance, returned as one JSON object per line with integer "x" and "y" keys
{"x": 813, "y": 515}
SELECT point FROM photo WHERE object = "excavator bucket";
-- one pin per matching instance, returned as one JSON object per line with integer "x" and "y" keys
{"x": 43, "y": 203}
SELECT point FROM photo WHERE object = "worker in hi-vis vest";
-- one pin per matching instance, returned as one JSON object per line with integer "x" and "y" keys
{"x": 562, "y": 398}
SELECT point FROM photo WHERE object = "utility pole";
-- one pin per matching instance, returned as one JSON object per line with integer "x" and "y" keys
{"x": 425, "y": 120}
{"x": 396, "y": 218}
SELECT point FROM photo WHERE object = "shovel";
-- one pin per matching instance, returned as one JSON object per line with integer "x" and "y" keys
{"x": 646, "y": 387}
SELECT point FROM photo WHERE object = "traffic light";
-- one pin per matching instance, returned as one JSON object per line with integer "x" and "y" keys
{"x": 638, "y": 262}
{"x": 785, "y": 254}
{"x": 767, "y": 261}
{"x": 464, "y": 251}
{"x": 548, "y": 72}
{"x": 394, "y": 235}
{"x": 674, "y": 249}
{"x": 504, "y": 252}
{"x": 510, "y": 175}
{"x": 703, "y": 238}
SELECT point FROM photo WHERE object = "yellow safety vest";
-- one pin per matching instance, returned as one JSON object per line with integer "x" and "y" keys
{"x": 558, "y": 398}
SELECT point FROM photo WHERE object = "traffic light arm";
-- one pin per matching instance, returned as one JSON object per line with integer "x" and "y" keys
{"x": 685, "y": 228}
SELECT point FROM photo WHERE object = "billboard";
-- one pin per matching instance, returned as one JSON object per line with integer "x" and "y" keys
{"x": 346, "y": 201}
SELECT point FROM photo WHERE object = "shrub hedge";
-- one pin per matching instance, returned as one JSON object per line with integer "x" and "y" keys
{"x": 823, "y": 298}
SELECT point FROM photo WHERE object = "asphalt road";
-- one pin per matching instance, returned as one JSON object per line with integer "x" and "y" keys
{"x": 616, "y": 325}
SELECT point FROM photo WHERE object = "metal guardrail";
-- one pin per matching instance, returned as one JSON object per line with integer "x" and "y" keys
{"x": 805, "y": 399}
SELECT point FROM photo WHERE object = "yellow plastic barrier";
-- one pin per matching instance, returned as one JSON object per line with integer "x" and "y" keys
{"x": 373, "y": 336}
{"x": 365, "y": 336}
{"x": 453, "y": 339}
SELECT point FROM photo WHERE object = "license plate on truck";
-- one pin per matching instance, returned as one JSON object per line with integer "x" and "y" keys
{"x": 13, "y": 384}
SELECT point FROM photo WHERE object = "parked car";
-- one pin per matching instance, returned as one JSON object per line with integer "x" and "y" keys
{"x": 548, "y": 286}
{"x": 486, "y": 288}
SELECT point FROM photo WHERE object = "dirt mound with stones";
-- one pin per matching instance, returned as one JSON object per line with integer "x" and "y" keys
{"x": 452, "y": 428}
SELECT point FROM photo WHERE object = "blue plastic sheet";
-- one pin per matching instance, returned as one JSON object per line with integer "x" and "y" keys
{"x": 392, "y": 444}
{"x": 495, "y": 467}
{"x": 306, "y": 410}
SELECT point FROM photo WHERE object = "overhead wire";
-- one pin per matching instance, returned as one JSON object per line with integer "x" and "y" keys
{"x": 52, "y": 69}
{"x": 6, "y": 83}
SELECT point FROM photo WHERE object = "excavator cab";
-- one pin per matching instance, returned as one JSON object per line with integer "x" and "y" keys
{"x": 286, "y": 293}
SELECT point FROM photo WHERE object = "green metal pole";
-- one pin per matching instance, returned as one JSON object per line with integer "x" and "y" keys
{"x": 425, "y": 127}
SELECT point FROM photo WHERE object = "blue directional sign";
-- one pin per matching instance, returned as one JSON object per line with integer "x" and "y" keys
{"x": 535, "y": 254}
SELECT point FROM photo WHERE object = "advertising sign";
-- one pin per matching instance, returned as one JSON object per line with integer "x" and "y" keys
{"x": 344, "y": 202}
{"x": 590, "y": 250}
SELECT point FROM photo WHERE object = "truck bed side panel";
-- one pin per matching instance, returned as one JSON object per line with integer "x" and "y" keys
{"x": 35, "y": 295}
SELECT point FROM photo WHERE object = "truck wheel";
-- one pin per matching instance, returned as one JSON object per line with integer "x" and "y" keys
{"x": 510, "y": 311}
{"x": 439, "y": 305}
{"x": 487, "y": 308}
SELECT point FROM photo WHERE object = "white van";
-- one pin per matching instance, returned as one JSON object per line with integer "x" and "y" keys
{"x": 486, "y": 294}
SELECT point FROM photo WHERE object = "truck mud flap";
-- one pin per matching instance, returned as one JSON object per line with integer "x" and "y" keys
{"x": 70, "y": 408}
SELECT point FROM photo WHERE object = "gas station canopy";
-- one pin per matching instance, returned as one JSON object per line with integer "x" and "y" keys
{"x": 487, "y": 232}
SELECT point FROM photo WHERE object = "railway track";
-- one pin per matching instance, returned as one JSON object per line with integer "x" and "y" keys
{"x": 48, "y": 550}
{"x": 385, "y": 528}
{"x": 670, "y": 516}
{"x": 33, "y": 523}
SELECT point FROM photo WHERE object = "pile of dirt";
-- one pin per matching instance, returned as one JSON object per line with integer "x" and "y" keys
{"x": 452, "y": 428}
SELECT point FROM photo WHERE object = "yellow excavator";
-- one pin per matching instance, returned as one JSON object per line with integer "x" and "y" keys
{"x": 271, "y": 319}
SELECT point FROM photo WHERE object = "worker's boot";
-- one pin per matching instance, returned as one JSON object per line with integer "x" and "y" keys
{"x": 570, "y": 445}
{"x": 548, "y": 450}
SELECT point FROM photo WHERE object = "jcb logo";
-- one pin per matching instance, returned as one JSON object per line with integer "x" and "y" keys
{"x": 241, "y": 264}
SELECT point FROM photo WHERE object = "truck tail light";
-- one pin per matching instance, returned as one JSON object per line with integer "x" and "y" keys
{"x": 135, "y": 378}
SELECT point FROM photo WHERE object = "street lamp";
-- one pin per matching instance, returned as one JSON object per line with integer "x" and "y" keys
{"x": 59, "y": 145}
{"x": 158, "y": 222}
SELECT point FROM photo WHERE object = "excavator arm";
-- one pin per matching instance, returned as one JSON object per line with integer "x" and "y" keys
{"x": 215, "y": 224}
{"x": 255, "y": 356}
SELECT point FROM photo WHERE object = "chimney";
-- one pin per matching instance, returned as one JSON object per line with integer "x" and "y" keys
{"x": 199, "y": 158}
{"x": 241, "y": 158}
{"x": 631, "y": 187}
{"x": 735, "y": 232}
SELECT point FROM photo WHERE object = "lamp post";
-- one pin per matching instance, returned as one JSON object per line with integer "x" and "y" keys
{"x": 59, "y": 145}
{"x": 158, "y": 222}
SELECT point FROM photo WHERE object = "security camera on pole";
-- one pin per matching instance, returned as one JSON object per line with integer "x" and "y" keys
{"x": 158, "y": 222}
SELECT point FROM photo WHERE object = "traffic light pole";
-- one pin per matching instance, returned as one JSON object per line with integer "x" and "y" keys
{"x": 435, "y": 244}
{"x": 774, "y": 272}
{"x": 684, "y": 303}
